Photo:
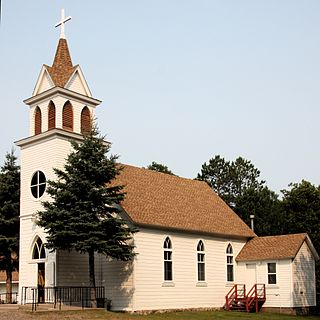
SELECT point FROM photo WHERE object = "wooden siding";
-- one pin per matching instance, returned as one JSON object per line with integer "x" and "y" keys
{"x": 278, "y": 295}
{"x": 37, "y": 121}
{"x": 51, "y": 116}
{"x": 76, "y": 84}
{"x": 115, "y": 276}
{"x": 304, "y": 290}
{"x": 45, "y": 83}
{"x": 67, "y": 116}
{"x": 152, "y": 292}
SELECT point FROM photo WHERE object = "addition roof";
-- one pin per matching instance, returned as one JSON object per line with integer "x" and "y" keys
{"x": 275, "y": 247}
{"x": 161, "y": 200}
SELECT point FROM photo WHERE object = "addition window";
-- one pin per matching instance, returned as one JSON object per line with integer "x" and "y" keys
{"x": 201, "y": 261}
{"x": 38, "y": 251}
{"x": 167, "y": 246}
{"x": 230, "y": 271}
{"x": 38, "y": 184}
{"x": 272, "y": 273}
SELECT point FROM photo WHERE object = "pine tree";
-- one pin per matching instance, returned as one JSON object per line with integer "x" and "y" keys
{"x": 83, "y": 212}
{"x": 9, "y": 219}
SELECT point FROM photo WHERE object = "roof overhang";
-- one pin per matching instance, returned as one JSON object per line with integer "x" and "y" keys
{"x": 58, "y": 91}
{"x": 48, "y": 135}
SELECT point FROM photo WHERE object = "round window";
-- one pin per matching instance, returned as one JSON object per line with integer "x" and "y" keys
{"x": 38, "y": 184}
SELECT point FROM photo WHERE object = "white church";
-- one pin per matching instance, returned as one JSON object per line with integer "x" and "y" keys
{"x": 192, "y": 250}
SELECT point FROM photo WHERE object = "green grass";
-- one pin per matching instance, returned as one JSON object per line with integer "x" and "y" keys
{"x": 188, "y": 315}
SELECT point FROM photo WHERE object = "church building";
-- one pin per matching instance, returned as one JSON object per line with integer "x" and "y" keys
{"x": 192, "y": 250}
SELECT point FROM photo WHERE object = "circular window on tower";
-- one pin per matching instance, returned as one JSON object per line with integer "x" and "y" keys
{"x": 38, "y": 184}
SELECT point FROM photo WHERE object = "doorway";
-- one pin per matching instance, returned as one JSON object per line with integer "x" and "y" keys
{"x": 251, "y": 275}
{"x": 41, "y": 283}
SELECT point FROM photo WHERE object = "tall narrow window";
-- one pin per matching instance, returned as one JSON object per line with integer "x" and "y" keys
{"x": 37, "y": 121}
{"x": 38, "y": 251}
{"x": 229, "y": 252}
{"x": 67, "y": 117}
{"x": 272, "y": 273}
{"x": 85, "y": 120}
{"x": 167, "y": 259}
{"x": 201, "y": 261}
{"x": 51, "y": 116}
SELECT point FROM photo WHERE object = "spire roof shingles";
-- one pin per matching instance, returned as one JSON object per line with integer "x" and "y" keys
{"x": 62, "y": 67}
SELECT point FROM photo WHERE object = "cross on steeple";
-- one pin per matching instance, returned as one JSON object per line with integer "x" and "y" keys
{"x": 61, "y": 24}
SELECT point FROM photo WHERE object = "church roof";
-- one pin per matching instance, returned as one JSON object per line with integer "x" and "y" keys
{"x": 161, "y": 200}
{"x": 62, "y": 68}
{"x": 274, "y": 247}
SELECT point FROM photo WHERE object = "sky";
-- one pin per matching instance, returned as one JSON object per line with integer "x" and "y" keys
{"x": 180, "y": 80}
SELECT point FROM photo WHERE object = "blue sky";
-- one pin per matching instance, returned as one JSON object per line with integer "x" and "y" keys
{"x": 180, "y": 80}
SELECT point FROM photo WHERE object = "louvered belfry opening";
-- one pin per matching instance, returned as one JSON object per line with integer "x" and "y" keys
{"x": 37, "y": 121}
{"x": 85, "y": 120}
{"x": 51, "y": 116}
{"x": 67, "y": 116}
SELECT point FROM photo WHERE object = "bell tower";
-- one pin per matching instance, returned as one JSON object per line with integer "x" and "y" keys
{"x": 61, "y": 109}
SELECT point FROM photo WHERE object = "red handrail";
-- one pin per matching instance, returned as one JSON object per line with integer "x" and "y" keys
{"x": 234, "y": 294}
{"x": 254, "y": 294}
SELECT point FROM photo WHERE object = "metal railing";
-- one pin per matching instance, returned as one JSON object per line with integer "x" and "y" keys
{"x": 11, "y": 297}
{"x": 58, "y": 296}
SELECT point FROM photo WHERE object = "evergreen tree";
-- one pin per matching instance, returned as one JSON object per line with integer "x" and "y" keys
{"x": 83, "y": 212}
{"x": 159, "y": 167}
{"x": 9, "y": 219}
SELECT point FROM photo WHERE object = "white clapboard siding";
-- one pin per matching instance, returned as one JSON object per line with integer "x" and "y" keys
{"x": 76, "y": 84}
{"x": 152, "y": 292}
{"x": 115, "y": 276}
{"x": 304, "y": 291}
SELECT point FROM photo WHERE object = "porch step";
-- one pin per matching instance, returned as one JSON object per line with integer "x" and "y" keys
{"x": 8, "y": 307}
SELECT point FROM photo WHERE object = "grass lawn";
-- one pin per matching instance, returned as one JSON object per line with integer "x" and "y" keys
{"x": 100, "y": 314}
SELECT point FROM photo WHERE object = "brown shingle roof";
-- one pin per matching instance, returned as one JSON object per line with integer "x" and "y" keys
{"x": 272, "y": 247}
{"x": 3, "y": 277}
{"x": 162, "y": 200}
{"x": 62, "y": 67}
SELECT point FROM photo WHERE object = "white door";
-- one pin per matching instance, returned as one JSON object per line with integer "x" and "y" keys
{"x": 251, "y": 275}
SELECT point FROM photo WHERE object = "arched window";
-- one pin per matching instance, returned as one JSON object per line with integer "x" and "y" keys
{"x": 201, "y": 261}
{"x": 85, "y": 120}
{"x": 67, "y": 116}
{"x": 229, "y": 252}
{"x": 38, "y": 251}
{"x": 167, "y": 246}
{"x": 51, "y": 116}
{"x": 37, "y": 121}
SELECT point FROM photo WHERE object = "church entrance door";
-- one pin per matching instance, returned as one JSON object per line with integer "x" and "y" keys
{"x": 41, "y": 282}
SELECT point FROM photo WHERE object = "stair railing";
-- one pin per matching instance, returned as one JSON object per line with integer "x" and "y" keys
{"x": 238, "y": 291}
{"x": 257, "y": 293}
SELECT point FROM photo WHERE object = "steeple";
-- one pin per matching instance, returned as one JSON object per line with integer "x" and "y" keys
{"x": 61, "y": 99}
{"x": 62, "y": 68}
